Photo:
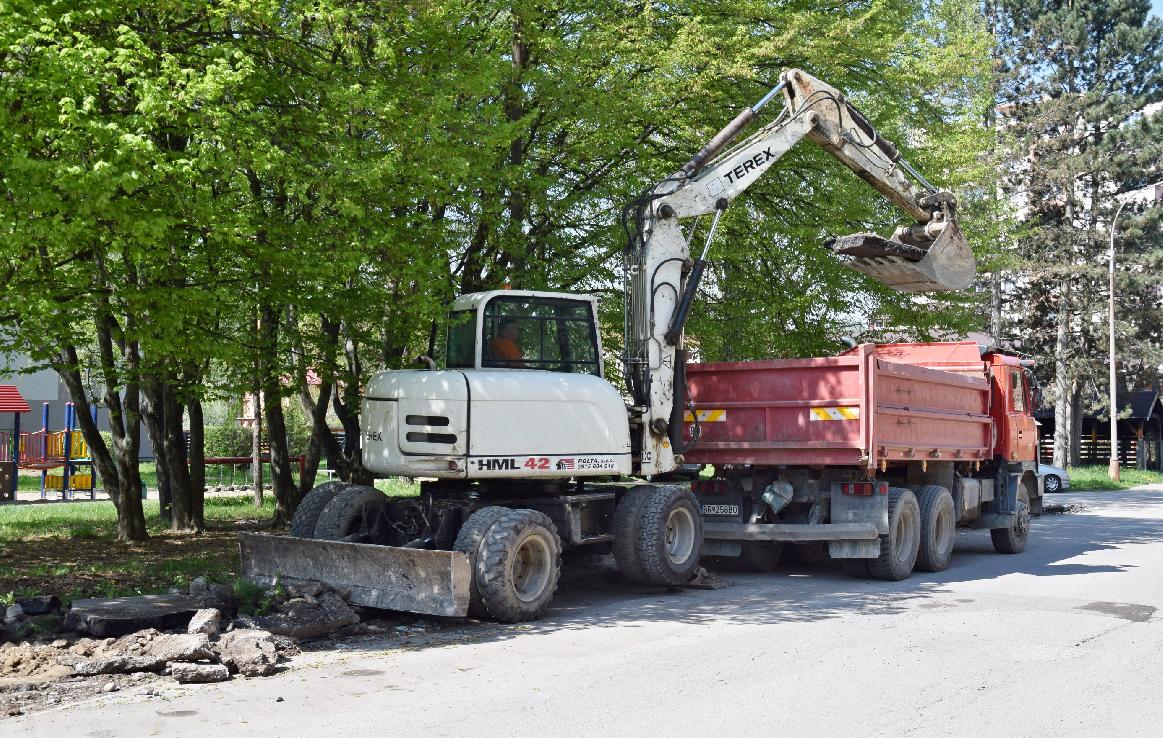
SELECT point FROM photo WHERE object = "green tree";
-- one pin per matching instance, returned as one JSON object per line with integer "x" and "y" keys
{"x": 1076, "y": 79}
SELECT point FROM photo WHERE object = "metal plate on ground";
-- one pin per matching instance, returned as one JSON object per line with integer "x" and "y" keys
{"x": 405, "y": 579}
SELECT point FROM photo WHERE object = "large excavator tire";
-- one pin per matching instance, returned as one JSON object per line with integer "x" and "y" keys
{"x": 351, "y": 512}
{"x": 468, "y": 541}
{"x": 307, "y": 513}
{"x": 669, "y": 536}
{"x": 898, "y": 549}
{"x": 518, "y": 566}
{"x": 625, "y": 545}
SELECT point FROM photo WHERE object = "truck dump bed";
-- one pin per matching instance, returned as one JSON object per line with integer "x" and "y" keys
{"x": 856, "y": 409}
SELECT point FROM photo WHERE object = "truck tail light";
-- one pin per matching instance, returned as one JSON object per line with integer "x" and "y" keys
{"x": 864, "y": 489}
{"x": 709, "y": 487}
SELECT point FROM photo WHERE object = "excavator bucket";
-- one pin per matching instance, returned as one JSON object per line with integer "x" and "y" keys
{"x": 946, "y": 264}
{"x": 388, "y": 577}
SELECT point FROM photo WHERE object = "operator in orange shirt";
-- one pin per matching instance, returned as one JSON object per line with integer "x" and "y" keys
{"x": 504, "y": 347}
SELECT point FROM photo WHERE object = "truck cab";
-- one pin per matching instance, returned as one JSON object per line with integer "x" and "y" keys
{"x": 1013, "y": 409}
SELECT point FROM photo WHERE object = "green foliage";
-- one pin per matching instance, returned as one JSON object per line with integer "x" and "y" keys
{"x": 228, "y": 440}
{"x": 1090, "y": 478}
{"x": 201, "y": 199}
{"x": 99, "y": 519}
{"x": 254, "y": 599}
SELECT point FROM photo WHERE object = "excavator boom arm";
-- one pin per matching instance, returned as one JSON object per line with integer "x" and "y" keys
{"x": 930, "y": 255}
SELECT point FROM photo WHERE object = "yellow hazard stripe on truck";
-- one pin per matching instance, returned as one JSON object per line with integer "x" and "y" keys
{"x": 834, "y": 413}
{"x": 706, "y": 416}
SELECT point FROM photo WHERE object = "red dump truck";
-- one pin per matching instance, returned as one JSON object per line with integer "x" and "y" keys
{"x": 879, "y": 454}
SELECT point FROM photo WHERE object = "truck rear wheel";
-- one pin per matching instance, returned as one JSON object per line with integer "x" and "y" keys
{"x": 518, "y": 566}
{"x": 355, "y": 512}
{"x": 898, "y": 549}
{"x": 938, "y": 528}
{"x": 759, "y": 556}
{"x": 307, "y": 513}
{"x": 1012, "y": 540}
{"x": 468, "y": 541}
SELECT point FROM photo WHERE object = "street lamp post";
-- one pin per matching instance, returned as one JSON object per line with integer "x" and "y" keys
{"x": 1156, "y": 194}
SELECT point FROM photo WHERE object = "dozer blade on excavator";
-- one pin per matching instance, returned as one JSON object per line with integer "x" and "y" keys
{"x": 946, "y": 264}
{"x": 388, "y": 577}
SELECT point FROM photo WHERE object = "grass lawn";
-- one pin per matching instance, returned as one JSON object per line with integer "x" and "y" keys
{"x": 1086, "y": 478}
{"x": 68, "y": 548}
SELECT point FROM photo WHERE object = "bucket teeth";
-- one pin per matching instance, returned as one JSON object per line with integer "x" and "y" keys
{"x": 872, "y": 245}
{"x": 946, "y": 263}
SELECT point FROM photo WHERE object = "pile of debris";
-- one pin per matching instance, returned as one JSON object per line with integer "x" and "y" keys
{"x": 191, "y": 637}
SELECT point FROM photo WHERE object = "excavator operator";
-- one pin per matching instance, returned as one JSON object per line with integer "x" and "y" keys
{"x": 504, "y": 348}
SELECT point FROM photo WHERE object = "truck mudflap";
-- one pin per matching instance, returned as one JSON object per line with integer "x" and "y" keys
{"x": 405, "y": 579}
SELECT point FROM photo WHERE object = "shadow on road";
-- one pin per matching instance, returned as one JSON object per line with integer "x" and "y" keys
{"x": 593, "y": 595}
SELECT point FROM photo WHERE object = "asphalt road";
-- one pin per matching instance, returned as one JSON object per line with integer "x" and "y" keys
{"x": 1065, "y": 639}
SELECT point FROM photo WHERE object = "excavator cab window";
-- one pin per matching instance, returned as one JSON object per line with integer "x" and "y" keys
{"x": 551, "y": 334}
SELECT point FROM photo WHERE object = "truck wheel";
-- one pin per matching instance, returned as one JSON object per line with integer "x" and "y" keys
{"x": 1012, "y": 540}
{"x": 518, "y": 565}
{"x": 303, "y": 523}
{"x": 669, "y": 536}
{"x": 625, "y": 547}
{"x": 468, "y": 541}
{"x": 355, "y": 512}
{"x": 898, "y": 549}
{"x": 759, "y": 556}
{"x": 938, "y": 528}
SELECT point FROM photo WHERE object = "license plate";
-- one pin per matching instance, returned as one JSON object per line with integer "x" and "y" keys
{"x": 721, "y": 510}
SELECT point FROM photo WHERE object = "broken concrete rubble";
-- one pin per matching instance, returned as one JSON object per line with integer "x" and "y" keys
{"x": 205, "y": 621}
{"x": 248, "y": 652}
{"x": 147, "y": 650}
{"x": 187, "y": 673}
{"x": 40, "y": 605}
{"x": 309, "y": 616}
{"x": 121, "y": 615}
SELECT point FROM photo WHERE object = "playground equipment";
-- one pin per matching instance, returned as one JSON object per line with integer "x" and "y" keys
{"x": 45, "y": 450}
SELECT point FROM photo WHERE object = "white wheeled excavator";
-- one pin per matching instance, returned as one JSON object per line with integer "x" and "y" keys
{"x": 525, "y": 448}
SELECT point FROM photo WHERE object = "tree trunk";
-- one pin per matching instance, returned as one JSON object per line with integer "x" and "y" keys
{"x": 177, "y": 468}
{"x": 995, "y": 309}
{"x": 197, "y": 464}
{"x": 152, "y": 411}
{"x": 1062, "y": 380}
{"x": 1075, "y": 455}
{"x": 286, "y": 492}
{"x": 256, "y": 448}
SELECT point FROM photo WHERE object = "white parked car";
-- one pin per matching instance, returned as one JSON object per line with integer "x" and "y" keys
{"x": 1054, "y": 478}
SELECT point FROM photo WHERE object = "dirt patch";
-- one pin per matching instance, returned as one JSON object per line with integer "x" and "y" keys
{"x": 25, "y": 663}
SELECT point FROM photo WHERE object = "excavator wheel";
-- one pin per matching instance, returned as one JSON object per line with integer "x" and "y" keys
{"x": 307, "y": 513}
{"x": 669, "y": 536}
{"x": 468, "y": 541}
{"x": 358, "y": 514}
{"x": 518, "y": 566}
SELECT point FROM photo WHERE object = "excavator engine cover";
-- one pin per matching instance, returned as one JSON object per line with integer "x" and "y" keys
{"x": 947, "y": 264}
